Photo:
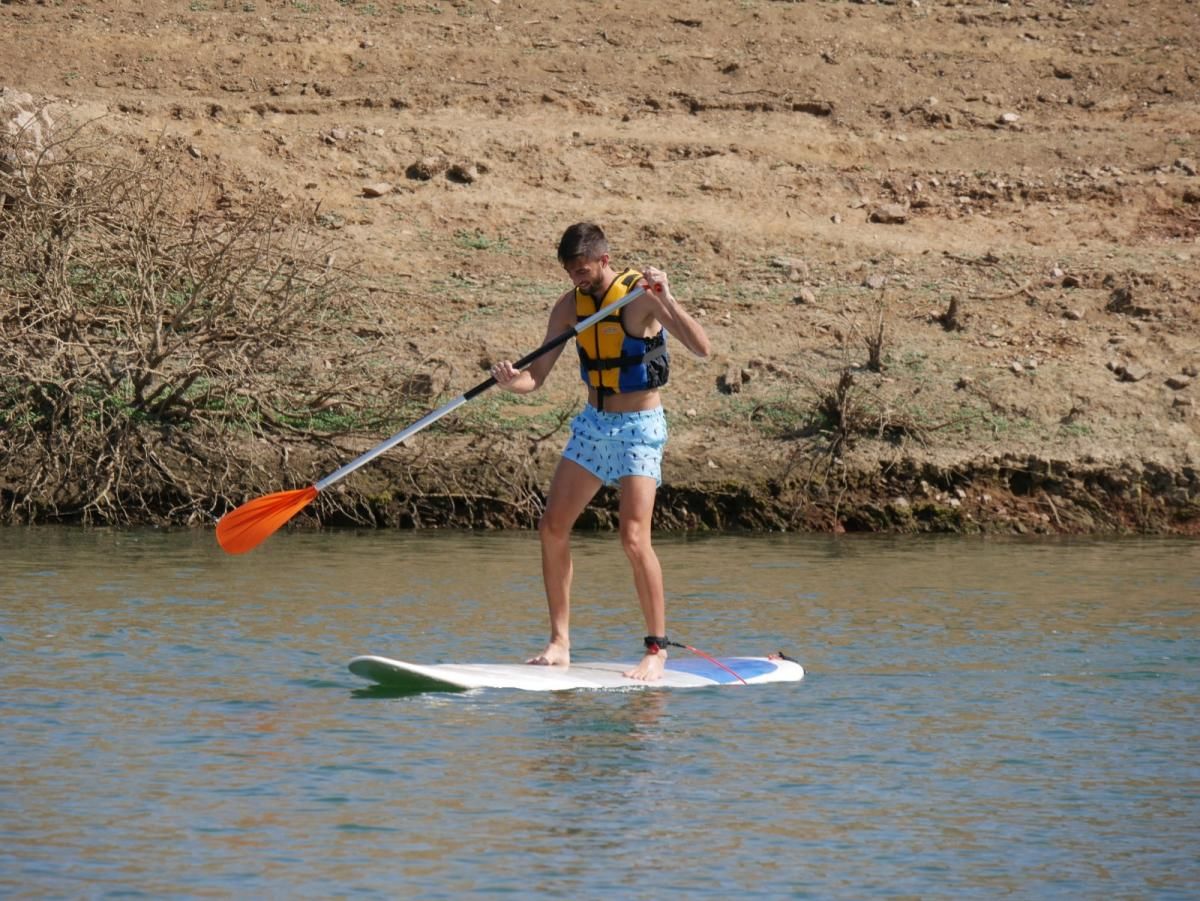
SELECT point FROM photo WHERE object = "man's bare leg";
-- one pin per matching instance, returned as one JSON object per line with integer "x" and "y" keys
{"x": 637, "y": 510}
{"x": 570, "y": 491}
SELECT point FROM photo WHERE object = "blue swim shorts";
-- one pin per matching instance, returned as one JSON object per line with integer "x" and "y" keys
{"x": 612, "y": 445}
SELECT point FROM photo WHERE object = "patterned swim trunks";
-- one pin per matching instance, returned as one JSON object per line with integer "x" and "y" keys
{"x": 612, "y": 445}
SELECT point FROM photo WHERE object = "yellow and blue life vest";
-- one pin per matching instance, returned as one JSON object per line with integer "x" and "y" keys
{"x": 610, "y": 359}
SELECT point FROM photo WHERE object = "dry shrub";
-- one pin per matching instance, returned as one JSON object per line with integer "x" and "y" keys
{"x": 849, "y": 410}
{"x": 875, "y": 337}
{"x": 162, "y": 354}
{"x": 841, "y": 408}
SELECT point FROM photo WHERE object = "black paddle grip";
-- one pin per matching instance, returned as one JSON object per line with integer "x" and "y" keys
{"x": 521, "y": 363}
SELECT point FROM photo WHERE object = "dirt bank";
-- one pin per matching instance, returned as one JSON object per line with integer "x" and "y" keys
{"x": 946, "y": 251}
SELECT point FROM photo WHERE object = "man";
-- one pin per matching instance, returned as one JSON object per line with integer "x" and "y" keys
{"x": 618, "y": 437}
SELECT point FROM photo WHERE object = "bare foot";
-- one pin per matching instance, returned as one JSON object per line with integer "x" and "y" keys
{"x": 650, "y": 669}
{"x": 555, "y": 655}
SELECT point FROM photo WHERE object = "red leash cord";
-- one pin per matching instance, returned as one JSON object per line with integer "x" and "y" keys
{"x": 653, "y": 644}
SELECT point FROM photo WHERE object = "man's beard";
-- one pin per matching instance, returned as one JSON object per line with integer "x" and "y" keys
{"x": 596, "y": 289}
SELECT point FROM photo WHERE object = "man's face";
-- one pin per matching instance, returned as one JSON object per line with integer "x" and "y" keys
{"x": 587, "y": 275}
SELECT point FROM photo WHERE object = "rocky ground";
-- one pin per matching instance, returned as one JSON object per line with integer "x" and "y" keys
{"x": 946, "y": 251}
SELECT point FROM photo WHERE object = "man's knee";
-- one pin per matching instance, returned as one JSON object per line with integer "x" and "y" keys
{"x": 552, "y": 528}
{"x": 635, "y": 539}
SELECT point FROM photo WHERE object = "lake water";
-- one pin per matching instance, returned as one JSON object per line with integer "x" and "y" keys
{"x": 981, "y": 718}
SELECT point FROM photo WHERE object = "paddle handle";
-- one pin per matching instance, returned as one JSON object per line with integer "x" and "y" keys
{"x": 432, "y": 417}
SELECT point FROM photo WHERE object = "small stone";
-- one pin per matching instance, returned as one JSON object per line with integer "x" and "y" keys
{"x": 1073, "y": 315}
{"x": 875, "y": 282}
{"x": 797, "y": 269}
{"x": 1190, "y": 370}
{"x": 1016, "y": 367}
{"x": 195, "y": 152}
{"x": 1008, "y": 119}
{"x": 836, "y": 218}
{"x": 426, "y": 168}
{"x": 463, "y": 173}
{"x": 1134, "y": 372}
{"x": 806, "y": 296}
{"x": 889, "y": 214}
{"x": 377, "y": 189}
{"x": 1186, "y": 165}
{"x": 1178, "y": 382}
{"x": 1120, "y": 300}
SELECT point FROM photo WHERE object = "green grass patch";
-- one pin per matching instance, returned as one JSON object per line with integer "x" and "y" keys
{"x": 910, "y": 361}
{"x": 976, "y": 421}
{"x": 477, "y": 240}
{"x": 330, "y": 421}
{"x": 776, "y": 416}
{"x": 507, "y": 413}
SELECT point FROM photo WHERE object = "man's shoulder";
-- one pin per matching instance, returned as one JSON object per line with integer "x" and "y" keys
{"x": 564, "y": 308}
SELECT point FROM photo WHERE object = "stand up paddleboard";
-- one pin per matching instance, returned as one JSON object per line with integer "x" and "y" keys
{"x": 680, "y": 673}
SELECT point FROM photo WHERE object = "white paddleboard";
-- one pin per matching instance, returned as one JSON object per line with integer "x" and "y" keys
{"x": 682, "y": 672}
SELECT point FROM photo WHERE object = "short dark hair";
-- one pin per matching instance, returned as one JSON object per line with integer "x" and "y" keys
{"x": 583, "y": 239}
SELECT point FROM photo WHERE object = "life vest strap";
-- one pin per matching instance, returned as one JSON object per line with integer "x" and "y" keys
{"x": 627, "y": 360}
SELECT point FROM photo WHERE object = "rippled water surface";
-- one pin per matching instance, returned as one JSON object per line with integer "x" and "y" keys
{"x": 981, "y": 719}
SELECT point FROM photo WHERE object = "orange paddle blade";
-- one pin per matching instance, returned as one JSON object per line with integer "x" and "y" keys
{"x": 255, "y": 521}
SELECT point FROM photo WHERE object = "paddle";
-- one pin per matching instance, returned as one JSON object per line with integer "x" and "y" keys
{"x": 255, "y": 521}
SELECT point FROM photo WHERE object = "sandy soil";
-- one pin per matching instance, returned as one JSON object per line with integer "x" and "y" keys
{"x": 811, "y": 174}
